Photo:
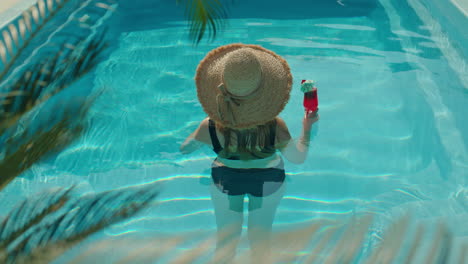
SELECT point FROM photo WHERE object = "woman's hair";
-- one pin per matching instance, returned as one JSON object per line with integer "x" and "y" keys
{"x": 251, "y": 142}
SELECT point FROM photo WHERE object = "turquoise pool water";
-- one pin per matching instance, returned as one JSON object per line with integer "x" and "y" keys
{"x": 393, "y": 133}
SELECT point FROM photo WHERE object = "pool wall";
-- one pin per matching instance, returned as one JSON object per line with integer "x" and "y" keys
{"x": 451, "y": 14}
{"x": 447, "y": 27}
{"x": 68, "y": 18}
{"x": 453, "y": 18}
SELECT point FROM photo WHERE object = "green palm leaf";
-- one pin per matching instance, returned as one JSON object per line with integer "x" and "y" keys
{"x": 35, "y": 86}
{"x": 30, "y": 213}
{"x": 77, "y": 220}
{"x": 18, "y": 36}
{"x": 49, "y": 77}
{"x": 203, "y": 15}
{"x": 22, "y": 156}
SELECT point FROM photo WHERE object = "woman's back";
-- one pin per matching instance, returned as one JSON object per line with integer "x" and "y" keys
{"x": 249, "y": 148}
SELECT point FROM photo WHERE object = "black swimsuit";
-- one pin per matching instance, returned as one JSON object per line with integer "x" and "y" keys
{"x": 255, "y": 181}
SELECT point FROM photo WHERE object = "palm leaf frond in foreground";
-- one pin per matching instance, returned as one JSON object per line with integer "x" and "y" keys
{"x": 34, "y": 148}
{"x": 18, "y": 35}
{"x": 203, "y": 15}
{"x": 324, "y": 242}
{"x": 48, "y": 77}
{"x": 30, "y": 213}
{"x": 68, "y": 222}
{"x": 35, "y": 86}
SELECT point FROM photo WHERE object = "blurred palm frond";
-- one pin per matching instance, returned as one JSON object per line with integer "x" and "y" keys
{"x": 327, "y": 242}
{"x": 69, "y": 221}
{"x": 30, "y": 213}
{"x": 34, "y": 148}
{"x": 203, "y": 15}
{"x": 35, "y": 86}
{"x": 43, "y": 227}
{"x": 49, "y": 77}
{"x": 138, "y": 250}
{"x": 18, "y": 35}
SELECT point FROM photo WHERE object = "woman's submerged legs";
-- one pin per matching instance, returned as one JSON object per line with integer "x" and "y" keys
{"x": 262, "y": 212}
{"x": 229, "y": 218}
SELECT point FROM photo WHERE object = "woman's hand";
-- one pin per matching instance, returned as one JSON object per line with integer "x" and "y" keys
{"x": 309, "y": 118}
{"x": 197, "y": 138}
{"x": 190, "y": 145}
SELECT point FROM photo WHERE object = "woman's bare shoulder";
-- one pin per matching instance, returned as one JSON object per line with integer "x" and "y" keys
{"x": 280, "y": 121}
{"x": 205, "y": 122}
{"x": 202, "y": 133}
{"x": 281, "y": 124}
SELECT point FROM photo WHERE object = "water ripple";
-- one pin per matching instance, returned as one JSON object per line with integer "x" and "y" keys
{"x": 347, "y": 26}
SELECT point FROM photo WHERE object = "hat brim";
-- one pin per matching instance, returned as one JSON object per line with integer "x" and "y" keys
{"x": 273, "y": 94}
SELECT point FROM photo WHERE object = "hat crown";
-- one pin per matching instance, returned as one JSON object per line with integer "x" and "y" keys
{"x": 243, "y": 86}
{"x": 242, "y": 72}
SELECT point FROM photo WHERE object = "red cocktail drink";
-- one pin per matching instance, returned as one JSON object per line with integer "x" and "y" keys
{"x": 310, "y": 95}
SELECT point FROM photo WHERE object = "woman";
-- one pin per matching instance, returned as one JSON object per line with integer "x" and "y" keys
{"x": 243, "y": 88}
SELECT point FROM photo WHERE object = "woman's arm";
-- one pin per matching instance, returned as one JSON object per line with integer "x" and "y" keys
{"x": 295, "y": 152}
{"x": 197, "y": 138}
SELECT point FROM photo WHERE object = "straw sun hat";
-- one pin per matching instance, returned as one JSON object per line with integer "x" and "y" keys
{"x": 242, "y": 86}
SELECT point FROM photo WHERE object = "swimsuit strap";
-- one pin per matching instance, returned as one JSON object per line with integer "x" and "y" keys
{"x": 273, "y": 134}
{"x": 214, "y": 139}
